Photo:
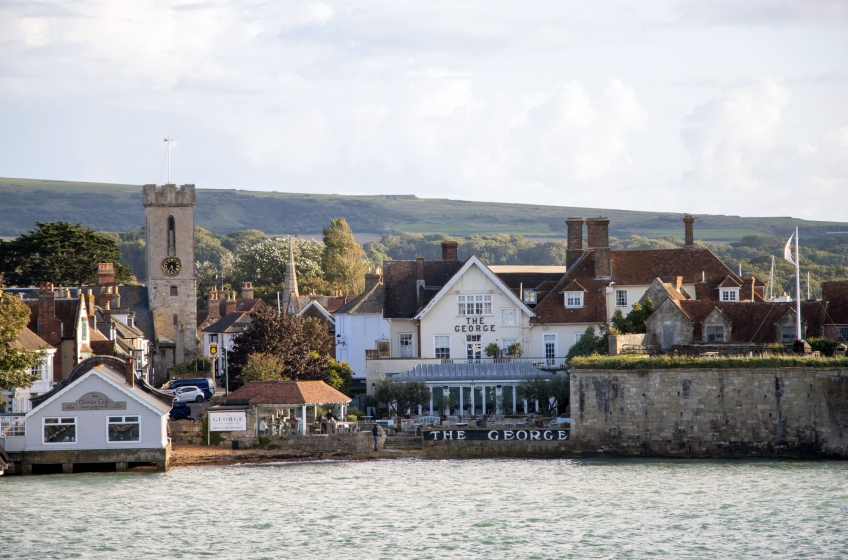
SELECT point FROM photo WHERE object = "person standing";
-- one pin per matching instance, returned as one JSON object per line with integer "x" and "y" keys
{"x": 375, "y": 431}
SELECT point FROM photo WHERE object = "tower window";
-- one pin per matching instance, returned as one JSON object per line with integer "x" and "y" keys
{"x": 172, "y": 236}
{"x": 174, "y": 291}
{"x": 176, "y": 318}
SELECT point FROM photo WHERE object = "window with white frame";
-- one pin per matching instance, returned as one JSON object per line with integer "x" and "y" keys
{"x": 509, "y": 317}
{"x": 60, "y": 430}
{"x": 506, "y": 343}
{"x": 574, "y": 299}
{"x": 124, "y": 428}
{"x": 730, "y": 294}
{"x": 577, "y": 337}
{"x": 406, "y": 345}
{"x": 442, "y": 346}
{"x": 13, "y": 426}
{"x": 621, "y": 298}
{"x": 715, "y": 333}
{"x": 477, "y": 304}
{"x": 40, "y": 370}
{"x": 84, "y": 329}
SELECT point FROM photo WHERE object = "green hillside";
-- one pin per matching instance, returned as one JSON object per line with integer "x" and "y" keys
{"x": 112, "y": 207}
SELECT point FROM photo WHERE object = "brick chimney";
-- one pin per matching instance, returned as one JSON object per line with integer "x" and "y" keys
{"x": 575, "y": 241}
{"x": 450, "y": 250}
{"x": 372, "y": 278}
{"x": 129, "y": 372}
{"x": 214, "y": 304}
{"x": 603, "y": 267}
{"x": 689, "y": 223}
{"x": 247, "y": 290}
{"x": 590, "y": 233}
{"x": 105, "y": 273}
{"x": 231, "y": 303}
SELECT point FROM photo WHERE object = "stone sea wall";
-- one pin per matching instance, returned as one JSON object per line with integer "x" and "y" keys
{"x": 785, "y": 412}
{"x": 362, "y": 442}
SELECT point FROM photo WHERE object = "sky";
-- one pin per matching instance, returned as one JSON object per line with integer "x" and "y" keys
{"x": 704, "y": 106}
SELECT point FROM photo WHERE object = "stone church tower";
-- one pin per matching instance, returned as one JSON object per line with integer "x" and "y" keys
{"x": 169, "y": 235}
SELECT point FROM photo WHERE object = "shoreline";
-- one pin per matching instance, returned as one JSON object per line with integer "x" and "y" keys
{"x": 205, "y": 456}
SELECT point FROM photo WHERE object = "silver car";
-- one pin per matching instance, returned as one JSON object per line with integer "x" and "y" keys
{"x": 189, "y": 394}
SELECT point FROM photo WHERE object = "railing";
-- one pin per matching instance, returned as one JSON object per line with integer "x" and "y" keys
{"x": 540, "y": 363}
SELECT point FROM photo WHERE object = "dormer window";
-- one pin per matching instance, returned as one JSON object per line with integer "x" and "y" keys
{"x": 573, "y": 299}
{"x": 729, "y": 294}
{"x": 529, "y": 296}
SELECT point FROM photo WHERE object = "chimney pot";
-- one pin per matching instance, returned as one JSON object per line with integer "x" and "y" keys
{"x": 247, "y": 290}
{"x": 689, "y": 226}
{"x": 105, "y": 273}
{"x": 128, "y": 371}
{"x": 450, "y": 250}
{"x": 372, "y": 278}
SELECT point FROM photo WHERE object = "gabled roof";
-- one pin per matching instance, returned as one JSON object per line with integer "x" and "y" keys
{"x": 729, "y": 282}
{"x": 242, "y": 304}
{"x": 317, "y": 309}
{"x": 67, "y": 311}
{"x": 473, "y": 261}
{"x": 369, "y": 302}
{"x": 286, "y": 393}
{"x": 112, "y": 371}
{"x": 574, "y": 286}
{"x": 135, "y": 299}
{"x": 234, "y": 322}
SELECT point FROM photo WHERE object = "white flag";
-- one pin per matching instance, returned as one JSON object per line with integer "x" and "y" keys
{"x": 787, "y": 251}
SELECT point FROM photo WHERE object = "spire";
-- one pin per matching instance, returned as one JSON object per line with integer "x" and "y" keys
{"x": 291, "y": 305}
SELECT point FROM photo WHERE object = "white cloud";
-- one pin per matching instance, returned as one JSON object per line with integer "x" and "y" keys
{"x": 753, "y": 12}
{"x": 565, "y": 103}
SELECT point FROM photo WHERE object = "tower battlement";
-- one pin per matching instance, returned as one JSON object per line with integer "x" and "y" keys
{"x": 168, "y": 195}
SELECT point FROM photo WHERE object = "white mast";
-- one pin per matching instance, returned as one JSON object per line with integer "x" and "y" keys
{"x": 168, "y": 141}
{"x": 808, "y": 285}
{"x": 797, "y": 289}
{"x": 771, "y": 281}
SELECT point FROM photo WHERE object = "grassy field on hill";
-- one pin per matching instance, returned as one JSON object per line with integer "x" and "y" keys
{"x": 114, "y": 207}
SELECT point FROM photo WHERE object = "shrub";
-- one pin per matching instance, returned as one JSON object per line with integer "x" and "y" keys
{"x": 668, "y": 361}
{"x": 492, "y": 350}
{"x": 823, "y": 345}
{"x": 353, "y": 411}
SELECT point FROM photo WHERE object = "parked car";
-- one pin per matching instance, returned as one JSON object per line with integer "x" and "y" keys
{"x": 180, "y": 411}
{"x": 207, "y": 385}
{"x": 189, "y": 394}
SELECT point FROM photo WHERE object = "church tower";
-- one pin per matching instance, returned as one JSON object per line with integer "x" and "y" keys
{"x": 169, "y": 236}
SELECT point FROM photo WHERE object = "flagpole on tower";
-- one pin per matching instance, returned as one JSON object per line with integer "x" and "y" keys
{"x": 168, "y": 141}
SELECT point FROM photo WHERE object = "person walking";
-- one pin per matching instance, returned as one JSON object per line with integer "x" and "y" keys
{"x": 375, "y": 431}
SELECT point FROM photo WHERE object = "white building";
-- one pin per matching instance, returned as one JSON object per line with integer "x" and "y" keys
{"x": 101, "y": 413}
{"x": 361, "y": 328}
{"x": 18, "y": 397}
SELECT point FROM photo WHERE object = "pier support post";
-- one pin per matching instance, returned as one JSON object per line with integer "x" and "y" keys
{"x": 120, "y": 467}
{"x": 67, "y": 468}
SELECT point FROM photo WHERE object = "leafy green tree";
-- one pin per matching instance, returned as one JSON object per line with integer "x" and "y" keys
{"x": 339, "y": 375}
{"x": 492, "y": 350}
{"x": 634, "y": 322}
{"x": 264, "y": 264}
{"x": 61, "y": 253}
{"x": 543, "y": 388}
{"x": 318, "y": 336}
{"x": 402, "y": 395}
{"x": 281, "y": 336}
{"x": 343, "y": 259}
{"x": 515, "y": 350}
{"x": 586, "y": 346}
{"x": 15, "y": 362}
{"x": 262, "y": 366}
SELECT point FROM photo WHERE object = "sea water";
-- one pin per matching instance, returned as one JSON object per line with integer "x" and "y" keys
{"x": 436, "y": 509}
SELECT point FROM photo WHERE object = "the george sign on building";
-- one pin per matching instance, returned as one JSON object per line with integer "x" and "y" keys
{"x": 93, "y": 401}
{"x": 496, "y": 435}
{"x": 227, "y": 421}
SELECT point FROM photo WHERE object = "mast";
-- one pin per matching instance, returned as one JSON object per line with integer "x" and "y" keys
{"x": 797, "y": 290}
{"x": 808, "y": 285}
{"x": 771, "y": 281}
{"x": 168, "y": 141}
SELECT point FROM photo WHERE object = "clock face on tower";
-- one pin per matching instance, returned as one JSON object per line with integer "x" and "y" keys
{"x": 171, "y": 266}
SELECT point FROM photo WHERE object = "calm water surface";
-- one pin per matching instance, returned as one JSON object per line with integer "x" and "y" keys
{"x": 435, "y": 509}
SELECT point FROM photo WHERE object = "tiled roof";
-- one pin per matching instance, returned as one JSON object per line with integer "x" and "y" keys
{"x": 467, "y": 372}
{"x": 729, "y": 282}
{"x": 574, "y": 286}
{"x": 103, "y": 347}
{"x": 835, "y": 296}
{"x": 751, "y": 322}
{"x": 29, "y": 340}
{"x": 135, "y": 299}
{"x": 402, "y": 299}
{"x": 287, "y": 393}
{"x": 629, "y": 268}
{"x": 234, "y": 322}
{"x": 66, "y": 312}
{"x": 242, "y": 304}
{"x": 370, "y": 302}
